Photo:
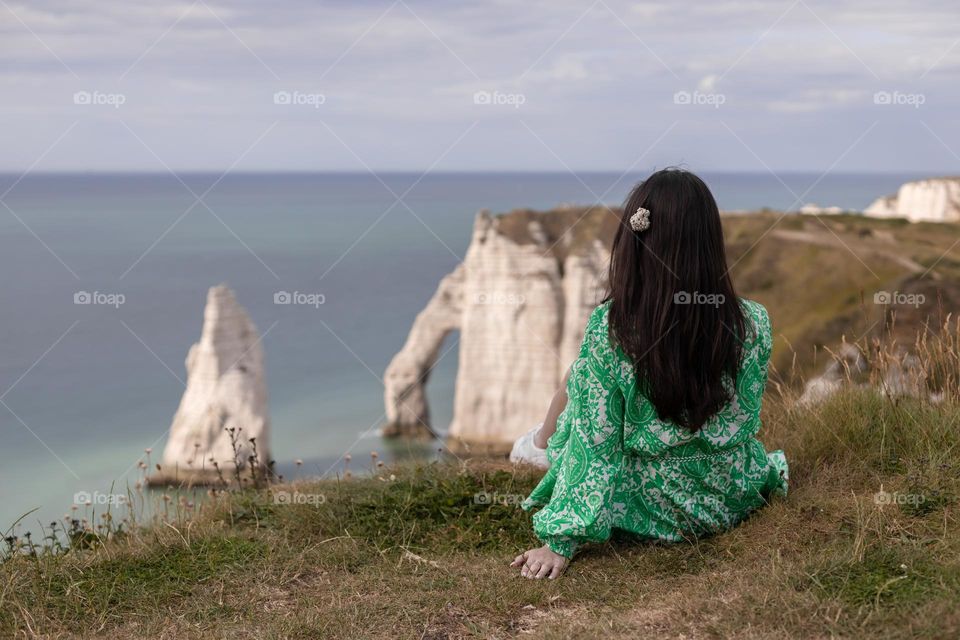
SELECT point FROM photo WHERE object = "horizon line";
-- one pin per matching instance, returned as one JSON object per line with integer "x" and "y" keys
{"x": 356, "y": 172}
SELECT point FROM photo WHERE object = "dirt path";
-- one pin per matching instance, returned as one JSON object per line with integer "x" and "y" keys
{"x": 827, "y": 240}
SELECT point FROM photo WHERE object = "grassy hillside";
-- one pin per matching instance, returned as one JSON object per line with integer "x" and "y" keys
{"x": 411, "y": 552}
{"x": 818, "y": 275}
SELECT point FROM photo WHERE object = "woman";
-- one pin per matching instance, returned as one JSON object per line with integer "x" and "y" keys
{"x": 655, "y": 431}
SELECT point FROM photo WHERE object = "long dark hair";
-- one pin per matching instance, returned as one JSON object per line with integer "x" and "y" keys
{"x": 673, "y": 308}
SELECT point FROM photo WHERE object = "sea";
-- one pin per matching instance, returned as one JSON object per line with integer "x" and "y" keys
{"x": 87, "y": 388}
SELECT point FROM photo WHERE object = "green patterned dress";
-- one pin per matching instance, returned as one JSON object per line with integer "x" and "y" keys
{"x": 616, "y": 465}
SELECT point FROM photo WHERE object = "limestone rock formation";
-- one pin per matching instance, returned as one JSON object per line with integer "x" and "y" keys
{"x": 226, "y": 389}
{"x": 899, "y": 375}
{"x": 932, "y": 200}
{"x": 405, "y": 380}
{"x": 848, "y": 365}
{"x": 812, "y": 209}
{"x": 520, "y": 300}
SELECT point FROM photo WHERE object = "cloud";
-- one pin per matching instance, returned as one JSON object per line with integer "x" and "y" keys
{"x": 708, "y": 83}
{"x": 592, "y": 76}
{"x": 814, "y": 100}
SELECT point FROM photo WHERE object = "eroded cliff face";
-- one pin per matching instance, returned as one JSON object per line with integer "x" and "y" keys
{"x": 520, "y": 300}
{"x": 933, "y": 200}
{"x": 226, "y": 389}
{"x": 406, "y": 377}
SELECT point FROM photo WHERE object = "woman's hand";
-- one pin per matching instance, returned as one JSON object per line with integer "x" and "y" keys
{"x": 540, "y": 563}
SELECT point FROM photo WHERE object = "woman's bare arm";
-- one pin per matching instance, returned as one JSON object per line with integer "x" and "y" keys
{"x": 557, "y": 405}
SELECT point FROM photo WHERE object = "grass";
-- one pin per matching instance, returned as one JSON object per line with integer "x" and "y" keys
{"x": 819, "y": 283}
{"x": 412, "y": 552}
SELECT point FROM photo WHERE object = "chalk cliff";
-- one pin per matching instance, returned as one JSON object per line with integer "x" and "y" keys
{"x": 520, "y": 301}
{"x": 405, "y": 380}
{"x": 522, "y": 295}
{"x": 226, "y": 389}
{"x": 933, "y": 200}
{"x": 901, "y": 375}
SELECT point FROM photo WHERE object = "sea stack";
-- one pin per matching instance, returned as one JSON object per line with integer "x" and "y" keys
{"x": 932, "y": 200}
{"x": 223, "y": 416}
{"x": 520, "y": 300}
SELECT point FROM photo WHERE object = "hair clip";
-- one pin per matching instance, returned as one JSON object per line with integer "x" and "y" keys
{"x": 640, "y": 221}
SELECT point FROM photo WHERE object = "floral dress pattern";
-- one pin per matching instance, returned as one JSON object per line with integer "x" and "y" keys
{"x": 615, "y": 464}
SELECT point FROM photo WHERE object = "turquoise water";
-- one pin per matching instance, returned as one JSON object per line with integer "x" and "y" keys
{"x": 88, "y": 387}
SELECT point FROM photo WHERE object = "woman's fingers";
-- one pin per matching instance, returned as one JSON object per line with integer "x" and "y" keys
{"x": 537, "y": 564}
{"x": 533, "y": 568}
{"x": 545, "y": 570}
{"x": 557, "y": 570}
{"x": 519, "y": 559}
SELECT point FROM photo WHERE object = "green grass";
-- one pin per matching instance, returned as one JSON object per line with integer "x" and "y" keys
{"x": 409, "y": 552}
{"x": 893, "y": 578}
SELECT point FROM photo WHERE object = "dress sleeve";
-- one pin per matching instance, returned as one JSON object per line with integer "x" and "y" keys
{"x": 739, "y": 420}
{"x": 588, "y": 466}
{"x": 752, "y": 378}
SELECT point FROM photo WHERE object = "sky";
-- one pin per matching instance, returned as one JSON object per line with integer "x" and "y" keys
{"x": 537, "y": 85}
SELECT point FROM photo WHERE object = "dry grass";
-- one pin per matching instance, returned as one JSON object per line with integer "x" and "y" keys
{"x": 409, "y": 553}
{"x": 817, "y": 276}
